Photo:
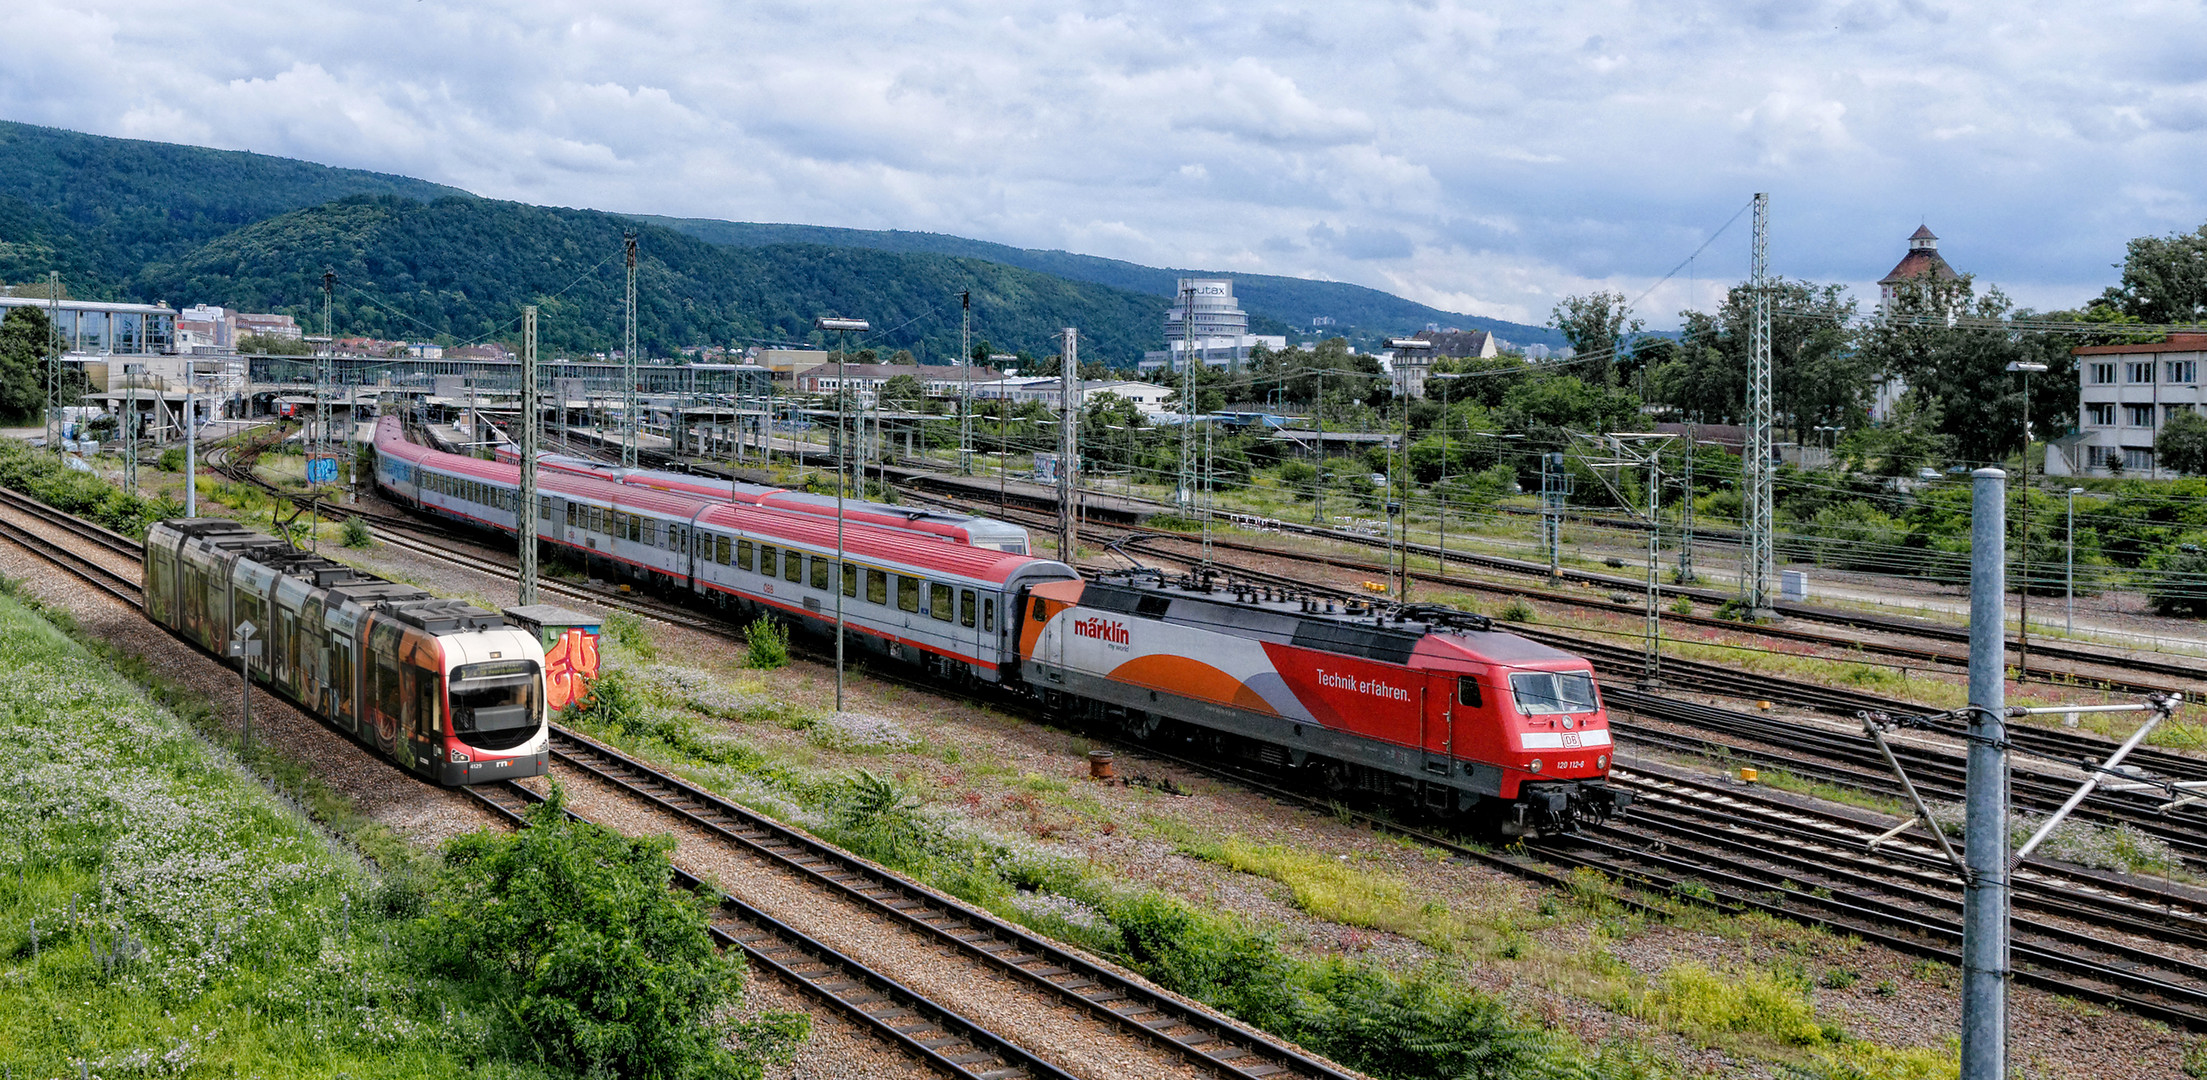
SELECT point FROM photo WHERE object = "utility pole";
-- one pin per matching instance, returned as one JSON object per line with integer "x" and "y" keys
{"x": 2026, "y": 368}
{"x": 529, "y": 422}
{"x": 324, "y": 364}
{"x": 1686, "y": 509}
{"x": 842, "y": 327}
{"x": 628, "y": 362}
{"x": 1397, "y": 481}
{"x": 131, "y": 373}
{"x": 1187, "y": 394}
{"x": 965, "y": 393}
{"x": 1069, "y": 412}
{"x": 191, "y": 443}
{"x": 1760, "y": 551}
{"x": 1985, "y": 828}
{"x": 53, "y": 362}
{"x": 1318, "y": 413}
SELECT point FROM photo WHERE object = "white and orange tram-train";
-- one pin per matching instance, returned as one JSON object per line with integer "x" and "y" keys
{"x": 1420, "y": 703}
{"x": 451, "y": 692}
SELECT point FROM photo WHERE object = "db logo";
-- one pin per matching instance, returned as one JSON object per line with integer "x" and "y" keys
{"x": 1571, "y": 742}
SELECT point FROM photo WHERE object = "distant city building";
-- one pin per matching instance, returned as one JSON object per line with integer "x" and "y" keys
{"x": 491, "y": 351}
{"x": 1149, "y": 398}
{"x": 2124, "y": 394}
{"x": 1922, "y": 263}
{"x": 1463, "y": 344}
{"x": 784, "y": 364}
{"x": 275, "y": 326}
{"x": 89, "y": 328}
{"x": 201, "y": 327}
{"x": 1219, "y": 328}
{"x": 865, "y": 380}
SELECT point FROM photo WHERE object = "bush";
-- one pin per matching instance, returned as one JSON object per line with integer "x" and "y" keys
{"x": 628, "y": 631}
{"x": 357, "y": 534}
{"x": 171, "y": 460}
{"x": 1298, "y": 472}
{"x": 1517, "y": 610}
{"x": 2176, "y": 581}
{"x": 766, "y": 644}
{"x": 573, "y": 933}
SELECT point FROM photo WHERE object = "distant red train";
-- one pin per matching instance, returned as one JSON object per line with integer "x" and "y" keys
{"x": 1422, "y": 703}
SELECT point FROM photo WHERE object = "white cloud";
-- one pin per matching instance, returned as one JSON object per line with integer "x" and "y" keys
{"x": 1485, "y": 157}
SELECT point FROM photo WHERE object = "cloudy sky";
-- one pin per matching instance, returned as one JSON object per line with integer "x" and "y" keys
{"x": 1484, "y": 158}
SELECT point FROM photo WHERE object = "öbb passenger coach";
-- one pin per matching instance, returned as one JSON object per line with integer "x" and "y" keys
{"x": 1420, "y": 702}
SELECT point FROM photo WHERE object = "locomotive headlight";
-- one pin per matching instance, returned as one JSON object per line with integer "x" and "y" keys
{"x": 1535, "y": 766}
{"x": 1569, "y": 723}
{"x": 1601, "y": 761}
{"x": 459, "y": 756}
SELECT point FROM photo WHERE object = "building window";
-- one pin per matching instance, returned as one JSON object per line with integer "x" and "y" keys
{"x": 2103, "y": 374}
{"x": 2138, "y": 416}
{"x": 2099, "y": 414}
{"x": 2141, "y": 371}
{"x": 2181, "y": 371}
{"x": 2140, "y": 461}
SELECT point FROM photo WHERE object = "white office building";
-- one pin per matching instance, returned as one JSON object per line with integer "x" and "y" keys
{"x": 1209, "y": 324}
{"x": 2124, "y": 394}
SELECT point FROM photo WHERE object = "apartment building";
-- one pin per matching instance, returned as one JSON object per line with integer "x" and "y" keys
{"x": 2124, "y": 394}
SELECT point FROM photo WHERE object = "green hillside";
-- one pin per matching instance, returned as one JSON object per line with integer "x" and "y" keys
{"x": 461, "y": 268}
{"x": 99, "y": 209}
{"x": 1275, "y": 304}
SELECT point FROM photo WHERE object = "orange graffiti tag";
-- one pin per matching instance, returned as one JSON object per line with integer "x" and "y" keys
{"x": 569, "y": 665}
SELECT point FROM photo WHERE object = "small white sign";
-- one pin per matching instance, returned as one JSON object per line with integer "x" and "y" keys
{"x": 245, "y": 629}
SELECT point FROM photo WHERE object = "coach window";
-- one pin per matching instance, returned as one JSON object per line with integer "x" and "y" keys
{"x": 720, "y": 550}
{"x": 988, "y": 614}
{"x": 850, "y": 579}
{"x": 1467, "y": 692}
{"x": 820, "y": 573}
{"x": 743, "y": 554}
{"x": 793, "y": 567}
{"x": 544, "y": 507}
{"x": 938, "y": 601}
{"x": 908, "y": 593}
{"x": 877, "y": 588}
{"x": 965, "y": 608}
{"x": 767, "y": 565}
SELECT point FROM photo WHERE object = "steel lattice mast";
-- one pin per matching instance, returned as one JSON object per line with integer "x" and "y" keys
{"x": 1186, "y": 498}
{"x": 1759, "y": 556}
{"x": 526, "y": 510}
{"x": 629, "y": 416}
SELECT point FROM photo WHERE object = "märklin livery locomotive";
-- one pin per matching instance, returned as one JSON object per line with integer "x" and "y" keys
{"x": 1421, "y": 701}
{"x": 448, "y": 690}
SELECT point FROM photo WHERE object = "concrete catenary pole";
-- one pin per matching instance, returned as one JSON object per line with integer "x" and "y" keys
{"x": 965, "y": 390}
{"x": 191, "y": 444}
{"x": 1069, "y": 419}
{"x": 1985, "y": 826}
{"x": 54, "y": 350}
{"x": 531, "y": 418}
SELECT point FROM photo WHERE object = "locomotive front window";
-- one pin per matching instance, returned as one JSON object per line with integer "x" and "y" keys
{"x": 1549, "y": 693}
{"x": 496, "y": 706}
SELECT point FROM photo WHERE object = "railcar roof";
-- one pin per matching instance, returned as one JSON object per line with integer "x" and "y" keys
{"x": 861, "y": 540}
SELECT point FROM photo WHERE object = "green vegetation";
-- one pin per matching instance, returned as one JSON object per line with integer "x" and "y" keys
{"x": 161, "y": 913}
{"x": 356, "y": 533}
{"x": 43, "y": 477}
{"x": 766, "y": 644}
{"x": 570, "y": 932}
{"x": 100, "y": 209}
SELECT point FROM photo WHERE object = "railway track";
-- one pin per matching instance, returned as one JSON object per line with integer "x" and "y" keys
{"x": 124, "y": 587}
{"x": 1000, "y": 948}
{"x": 1738, "y": 888}
{"x": 896, "y": 1014}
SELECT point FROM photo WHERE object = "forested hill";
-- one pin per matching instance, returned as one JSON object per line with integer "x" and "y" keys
{"x": 100, "y": 209}
{"x": 1274, "y": 303}
{"x": 465, "y": 266}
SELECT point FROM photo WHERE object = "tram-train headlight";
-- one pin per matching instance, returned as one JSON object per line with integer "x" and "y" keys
{"x": 459, "y": 756}
{"x": 1535, "y": 766}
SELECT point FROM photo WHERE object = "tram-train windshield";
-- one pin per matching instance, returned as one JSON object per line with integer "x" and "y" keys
{"x": 496, "y": 706}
